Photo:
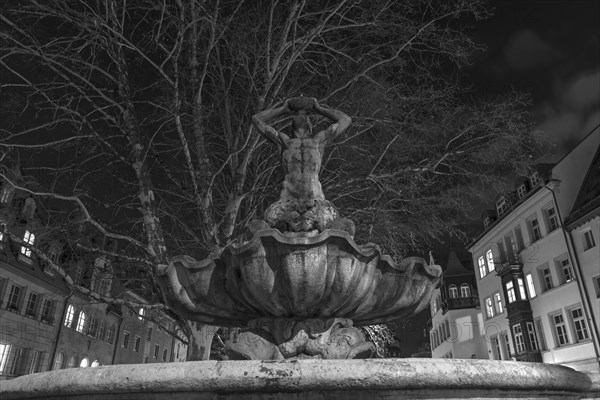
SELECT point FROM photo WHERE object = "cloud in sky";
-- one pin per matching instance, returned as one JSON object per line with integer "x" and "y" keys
{"x": 583, "y": 92}
{"x": 526, "y": 50}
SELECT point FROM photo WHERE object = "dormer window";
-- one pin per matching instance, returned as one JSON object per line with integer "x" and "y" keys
{"x": 453, "y": 291}
{"x": 6, "y": 194}
{"x": 521, "y": 191}
{"x": 502, "y": 205}
{"x": 487, "y": 222}
{"x": 534, "y": 179}
{"x": 28, "y": 239}
{"x": 465, "y": 290}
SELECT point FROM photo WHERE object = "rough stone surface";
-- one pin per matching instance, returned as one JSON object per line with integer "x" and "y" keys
{"x": 309, "y": 379}
{"x": 298, "y": 276}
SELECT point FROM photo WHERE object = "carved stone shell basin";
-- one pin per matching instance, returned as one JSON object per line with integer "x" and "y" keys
{"x": 276, "y": 275}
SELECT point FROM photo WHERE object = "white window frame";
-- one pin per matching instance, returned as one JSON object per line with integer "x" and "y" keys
{"x": 547, "y": 280}
{"x": 28, "y": 240}
{"x": 4, "y": 354}
{"x": 566, "y": 272}
{"x": 465, "y": 290}
{"x": 560, "y": 329}
{"x": 489, "y": 255}
{"x": 453, "y": 291}
{"x": 489, "y": 308}
{"x": 510, "y": 291}
{"x": 536, "y": 230}
{"x": 69, "y": 316}
{"x": 32, "y": 304}
{"x": 80, "y": 322}
{"x": 498, "y": 303}
{"x": 521, "y": 285}
{"x": 482, "y": 269}
{"x": 580, "y": 330}
{"x": 532, "y": 336}
{"x": 519, "y": 339}
{"x": 552, "y": 216}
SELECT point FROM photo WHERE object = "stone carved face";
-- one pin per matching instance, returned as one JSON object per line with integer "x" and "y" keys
{"x": 349, "y": 343}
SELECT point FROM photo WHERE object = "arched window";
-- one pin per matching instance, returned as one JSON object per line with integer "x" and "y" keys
{"x": 95, "y": 363}
{"x": 465, "y": 290}
{"x": 72, "y": 362}
{"x": 141, "y": 313}
{"x": 69, "y": 316}
{"x": 453, "y": 291}
{"x": 59, "y": 361}
{"x": 84, "y": 363}
{"x": 80, "y": 322}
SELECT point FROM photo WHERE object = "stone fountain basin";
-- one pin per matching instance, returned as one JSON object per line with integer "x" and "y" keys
{"x": 297, "y": 276}
{"x": 309, "y": 379}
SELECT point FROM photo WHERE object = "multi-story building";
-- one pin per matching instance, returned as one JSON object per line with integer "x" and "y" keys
{"x": 528, "y": 276}
{"x": 456, "y": 322}
{"x": 44, "y": 325}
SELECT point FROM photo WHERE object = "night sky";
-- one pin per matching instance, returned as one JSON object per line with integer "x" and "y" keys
{"x": 550, "y": 49}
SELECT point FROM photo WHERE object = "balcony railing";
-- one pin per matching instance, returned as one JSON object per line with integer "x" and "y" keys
{"x": 460, "y": 302}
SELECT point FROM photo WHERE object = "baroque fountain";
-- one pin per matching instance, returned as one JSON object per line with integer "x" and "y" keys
{"x": 299, "y": 286}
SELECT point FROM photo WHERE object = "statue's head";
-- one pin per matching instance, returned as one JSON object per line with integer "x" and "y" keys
{"x": 301, "y": 126}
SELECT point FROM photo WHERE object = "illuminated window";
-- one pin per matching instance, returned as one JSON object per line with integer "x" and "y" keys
{"x": 141, "y": 313}
{"x": 530, "y": 286}
{"x": 521, "y": 289}
{"x": 125, "y": 339}
{"x": 4, "y": 353}
{"x": 84, "y": 363}
{"x": 69, "y": 316}
{"x": 28, "y": 239}
{"x": 490, "y": 260}
{"x": 481, "y": 263}
{"x": 95, "y": 363}
{"x": 80, "y": 323}
{"x": 498, "y": 301}
{"x": 489, "y": 307}
{"x": 510, "y": 291}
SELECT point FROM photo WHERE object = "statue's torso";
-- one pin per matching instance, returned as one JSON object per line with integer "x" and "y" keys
{"x": 301, "y": 160}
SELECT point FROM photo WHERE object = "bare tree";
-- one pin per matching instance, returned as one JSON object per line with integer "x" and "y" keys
{"x": 137, "y": 113}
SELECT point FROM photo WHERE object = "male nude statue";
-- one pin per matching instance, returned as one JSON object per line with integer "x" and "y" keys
{"x": 302, "y": 206}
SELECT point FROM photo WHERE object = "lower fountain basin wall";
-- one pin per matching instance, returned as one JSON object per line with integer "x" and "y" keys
{"x": 310, "y": 379}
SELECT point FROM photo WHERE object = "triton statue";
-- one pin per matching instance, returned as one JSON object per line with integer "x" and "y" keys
{"x": 302, "y": 206}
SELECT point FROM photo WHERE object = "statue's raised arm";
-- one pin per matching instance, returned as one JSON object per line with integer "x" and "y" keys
{"x": 260, "y": 123}
{"x": 342, "y": 122}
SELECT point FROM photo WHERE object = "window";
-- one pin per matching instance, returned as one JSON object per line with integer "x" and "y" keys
{"x": 506, "y": 345}
{"x": 481, "y": 263}
{"x": 565, "y": 270}
{"x": 4, "y": 352}
{"x": 95, "y": 364}
{"x": 59, "y": 361}
{"x": 498, "y": 303}
{"x": 17, "y": 361}
{"x": 521, "y": 191}
{"x": 534, "y": 179}
{"x": 453, "y": 291}
{"x": 519, "y": 339}
{"x": 465, "y": 290}
{"x": 596, "y": 280}
{"x": 530, "y": 286}
{"x": 539, "y": 329}
{"x": 502, "y": 205}
{"x": 93, "y": 326}
{"x": 31, "y": 308}
{"x": 136, "y": 344}
{"x": 28, "y": 239}
{"x": 110, "y": 334}
{"x": 490, "y": 260}
{"x": 489, "y": 308}
{"x": 69, "y": 316}
{"x": 165, "y": 353}
{"x": 141, "y": 313}
{"x": 560, "y": 329}
{"x": 34, "y": 363}
{"x": 511, "y": 246}
{"x": 532, "y": 336}
{"x": 102, "y": 330}
{"x": 496, "y": 348}
{"x": 7, "y": 192}
{"x": 521, "y": 289}
{"x": 125, "y": 339}
{"x": 48, "y": 311}
{"x": 588, "y": 240}
{"x": 72, "y": 362}
{"x": 80, "y": 322}
{"x": 84, "y": 363}
{"x": 536, "y": 233}
{"x": 519, "y": 237}
{"x": 510, "y": 291}
{"x": 581, "y": 331}
{"x": 547, "y": 278}
{"x": 13, "y": 298}
{"x": 552, "y": 219}
{"x": 149, "y": 336}
{"x": 156, "y": 350}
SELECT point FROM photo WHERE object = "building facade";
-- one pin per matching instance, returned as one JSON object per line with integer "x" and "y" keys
{"x": 530, "y": 289}
{"x": 456, "y": 322}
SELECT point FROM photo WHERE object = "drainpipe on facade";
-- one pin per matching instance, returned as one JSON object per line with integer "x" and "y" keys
{"x": 60, "y": 327}
{"x": 579, "y": 279}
